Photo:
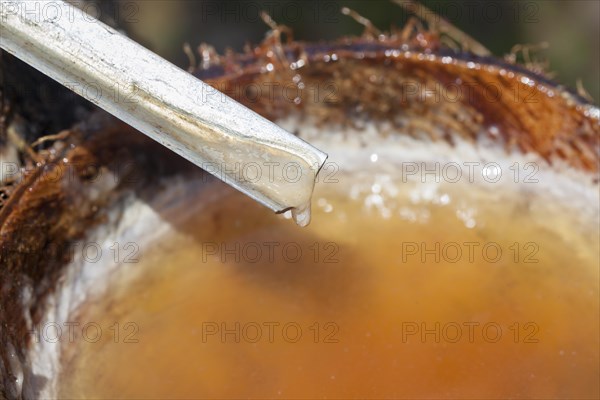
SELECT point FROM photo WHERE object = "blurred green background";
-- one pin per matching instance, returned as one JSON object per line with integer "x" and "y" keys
{"x": 572, "y": 28}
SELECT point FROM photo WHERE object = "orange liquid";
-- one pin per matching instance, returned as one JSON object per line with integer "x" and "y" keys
{"x": 361, "y": 313}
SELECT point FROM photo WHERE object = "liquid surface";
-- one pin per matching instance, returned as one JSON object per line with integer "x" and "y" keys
{"x": 437, "y": 292}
